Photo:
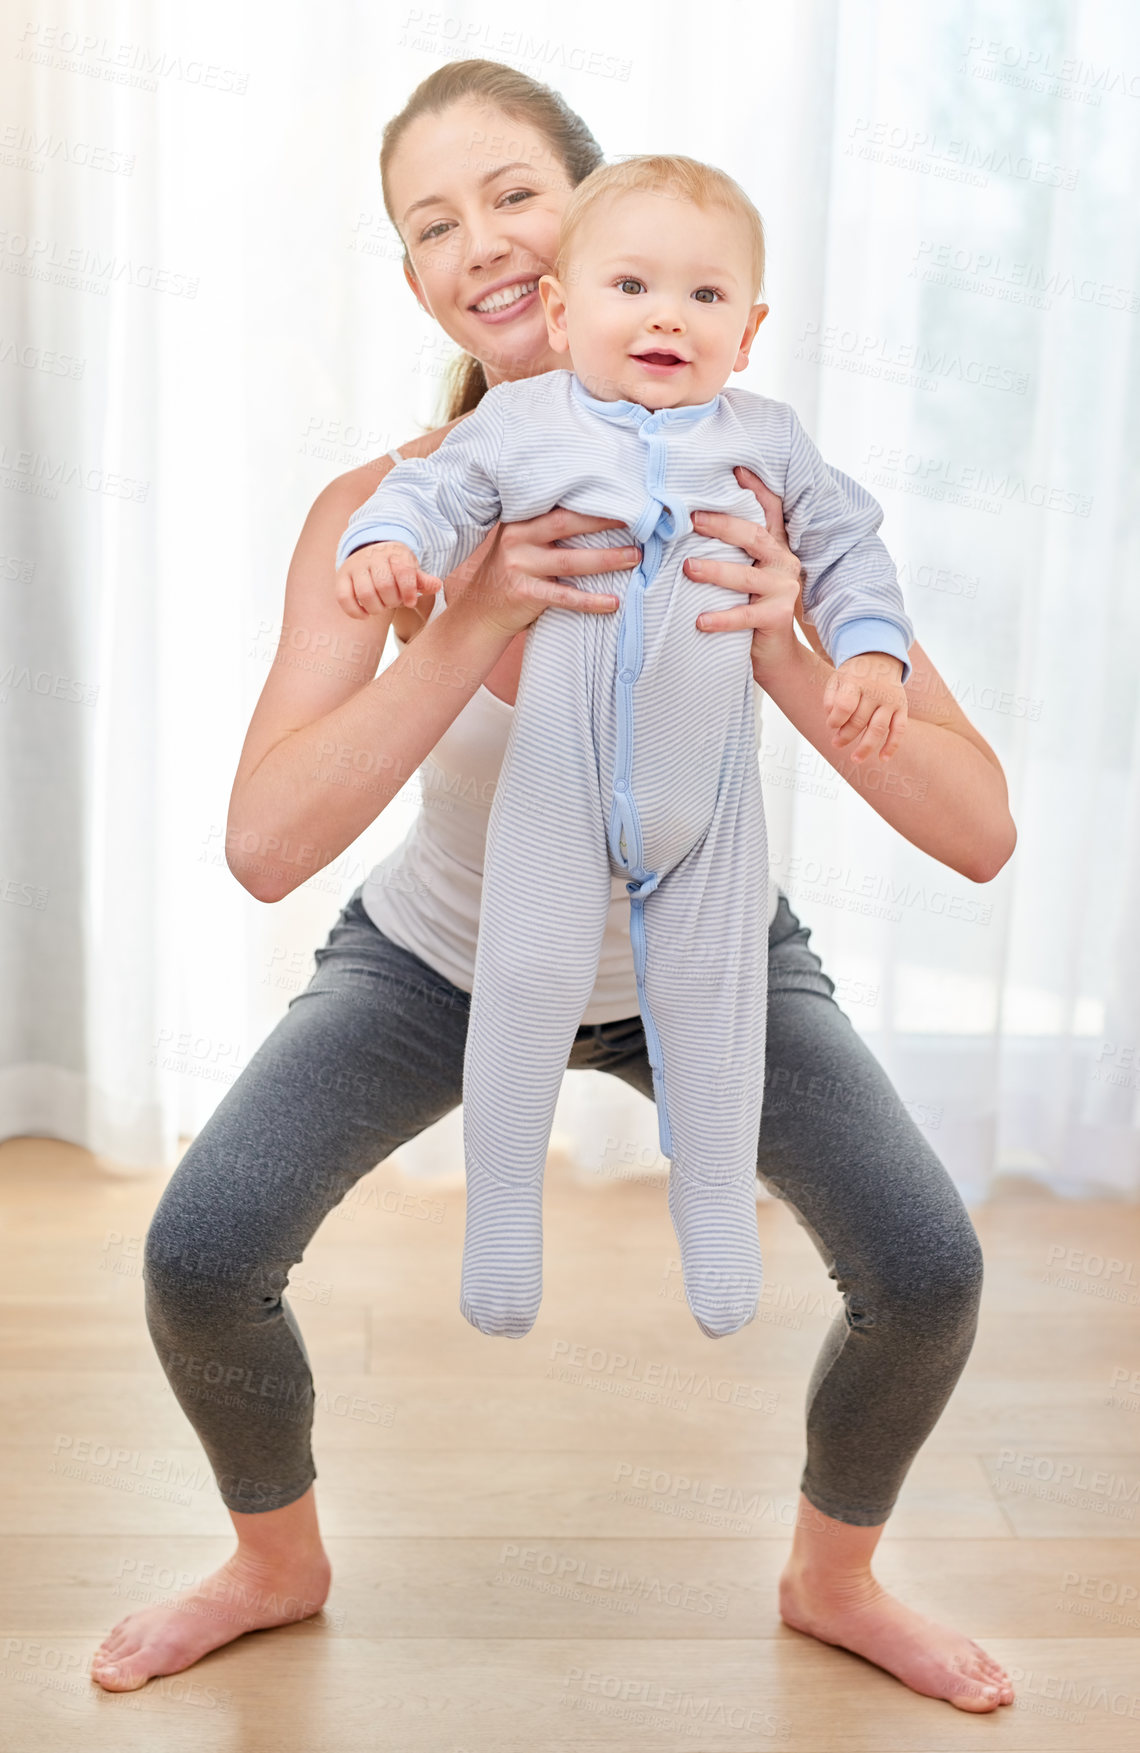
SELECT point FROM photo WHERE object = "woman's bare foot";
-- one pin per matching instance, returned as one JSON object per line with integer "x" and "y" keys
{"x": 280, "y": 1573}
{"x": 831, "y": 1595}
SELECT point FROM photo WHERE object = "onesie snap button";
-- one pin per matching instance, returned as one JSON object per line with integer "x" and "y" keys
{"x": 625, "y": 675}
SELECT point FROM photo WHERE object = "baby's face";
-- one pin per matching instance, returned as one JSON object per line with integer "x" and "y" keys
{"x": 657, "y": 306}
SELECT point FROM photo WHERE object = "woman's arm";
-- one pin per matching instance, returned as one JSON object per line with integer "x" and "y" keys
{"x": 331, "y": 742}
{"x": 944, "y": 790}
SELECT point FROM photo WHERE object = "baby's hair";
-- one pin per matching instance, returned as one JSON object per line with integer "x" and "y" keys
{"x": 662, "y": 174}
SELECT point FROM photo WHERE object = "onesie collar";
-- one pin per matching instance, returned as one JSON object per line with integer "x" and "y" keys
{"x": 633, "y": 414}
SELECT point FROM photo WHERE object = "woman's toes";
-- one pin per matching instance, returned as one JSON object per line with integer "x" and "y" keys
{"x": 116, "y": 1656}
{"x": 120, "y": 1677}
{"x": 974, "y": 1685}
{"x": 125, "y": 1645}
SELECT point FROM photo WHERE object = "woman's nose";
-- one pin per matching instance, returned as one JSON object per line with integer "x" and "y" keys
{"x": 485, "y": 251}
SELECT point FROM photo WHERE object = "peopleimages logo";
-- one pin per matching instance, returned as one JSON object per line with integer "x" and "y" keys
{"x": 1054, "y": 1480}
{"x": 128, "y": 64}
{"x": 911, "y": 362}
{"x": 1054, "y": 73}
{"x": 570, "y": 1577}
{"x": 670, "y": 1377}
{"x": 87, "y": 270}
{"x": 1010, "y": 280}
{"x": 970, "y": 484}
{"x": 643, "y": 1702}
{"x": 950, "y": 156}
{"x": 838, "y": 884}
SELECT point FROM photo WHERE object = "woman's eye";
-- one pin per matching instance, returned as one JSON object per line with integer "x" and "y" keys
{"x": 706, "y": 294}
{"x": 513, "y": 198}
{"x": 631, "y": 286}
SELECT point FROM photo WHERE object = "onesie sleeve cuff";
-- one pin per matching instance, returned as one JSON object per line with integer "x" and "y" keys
{"x": 869, "y": 633}
{"x": 362, "y": 535}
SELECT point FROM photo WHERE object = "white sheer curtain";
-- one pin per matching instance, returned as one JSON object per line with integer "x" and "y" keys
{"x": 203, "y": 321}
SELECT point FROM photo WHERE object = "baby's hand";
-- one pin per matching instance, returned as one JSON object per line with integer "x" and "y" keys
{"x": 865, "y": 703}
{"x": 380, "y": 577}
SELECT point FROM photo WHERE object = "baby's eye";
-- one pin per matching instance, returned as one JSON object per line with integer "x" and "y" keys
{"x": 706, "y": 294}
{"x": 631, "y": 286}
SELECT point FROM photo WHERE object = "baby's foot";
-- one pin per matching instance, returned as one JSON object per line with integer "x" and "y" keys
{"x": 716, "y": 1232}
{"x": 501, "y": 1288}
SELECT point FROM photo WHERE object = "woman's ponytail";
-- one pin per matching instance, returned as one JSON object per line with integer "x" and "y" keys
{"x": 466, "y": 385}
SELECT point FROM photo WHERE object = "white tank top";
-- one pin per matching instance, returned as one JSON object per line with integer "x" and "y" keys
{"x": 425, "y": 894}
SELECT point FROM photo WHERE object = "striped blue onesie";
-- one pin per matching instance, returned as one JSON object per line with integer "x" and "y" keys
{"x": 633, "y": 751}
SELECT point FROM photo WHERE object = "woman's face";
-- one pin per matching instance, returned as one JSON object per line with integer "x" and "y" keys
{"x": 478, "y": 200}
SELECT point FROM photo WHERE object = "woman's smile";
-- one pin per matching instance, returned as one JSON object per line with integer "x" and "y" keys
{"x": 507, "y": 300}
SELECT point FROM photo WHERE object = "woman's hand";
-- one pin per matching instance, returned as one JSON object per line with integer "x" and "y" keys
{"x": 514, "y": 575}
{"x": 772, "y": 583}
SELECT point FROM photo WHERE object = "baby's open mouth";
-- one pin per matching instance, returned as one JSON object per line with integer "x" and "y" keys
{"x": 660, "y": 358}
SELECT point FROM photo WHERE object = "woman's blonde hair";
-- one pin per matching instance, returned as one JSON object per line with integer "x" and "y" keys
{"x": 521, "y": 98}
{"x": 663, "y": 174}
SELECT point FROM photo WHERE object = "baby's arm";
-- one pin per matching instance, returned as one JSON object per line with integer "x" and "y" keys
{"x": 851, "y": 595}
{"x": 425, "y": 517}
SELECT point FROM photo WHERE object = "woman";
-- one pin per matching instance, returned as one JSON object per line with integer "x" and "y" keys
{"x": 476, "y": 170}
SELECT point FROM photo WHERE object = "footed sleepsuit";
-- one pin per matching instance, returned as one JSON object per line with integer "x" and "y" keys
{"x": 632, "y": 750}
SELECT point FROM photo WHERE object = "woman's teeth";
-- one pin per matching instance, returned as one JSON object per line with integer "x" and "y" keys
{"x": 506, "y": 295}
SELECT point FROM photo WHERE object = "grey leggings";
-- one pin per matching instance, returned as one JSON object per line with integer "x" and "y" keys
{"x": 371, "y": 1052}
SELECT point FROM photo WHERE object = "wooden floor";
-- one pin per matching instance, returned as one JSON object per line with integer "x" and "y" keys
{"x": 570, "y": 1541}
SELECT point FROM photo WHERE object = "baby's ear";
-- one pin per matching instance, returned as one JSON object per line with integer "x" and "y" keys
{"x": 554, "y": 308}
{"x": 755, "y": 317}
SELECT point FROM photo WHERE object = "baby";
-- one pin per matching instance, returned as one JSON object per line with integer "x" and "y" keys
{"x": 633, "y": 743}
